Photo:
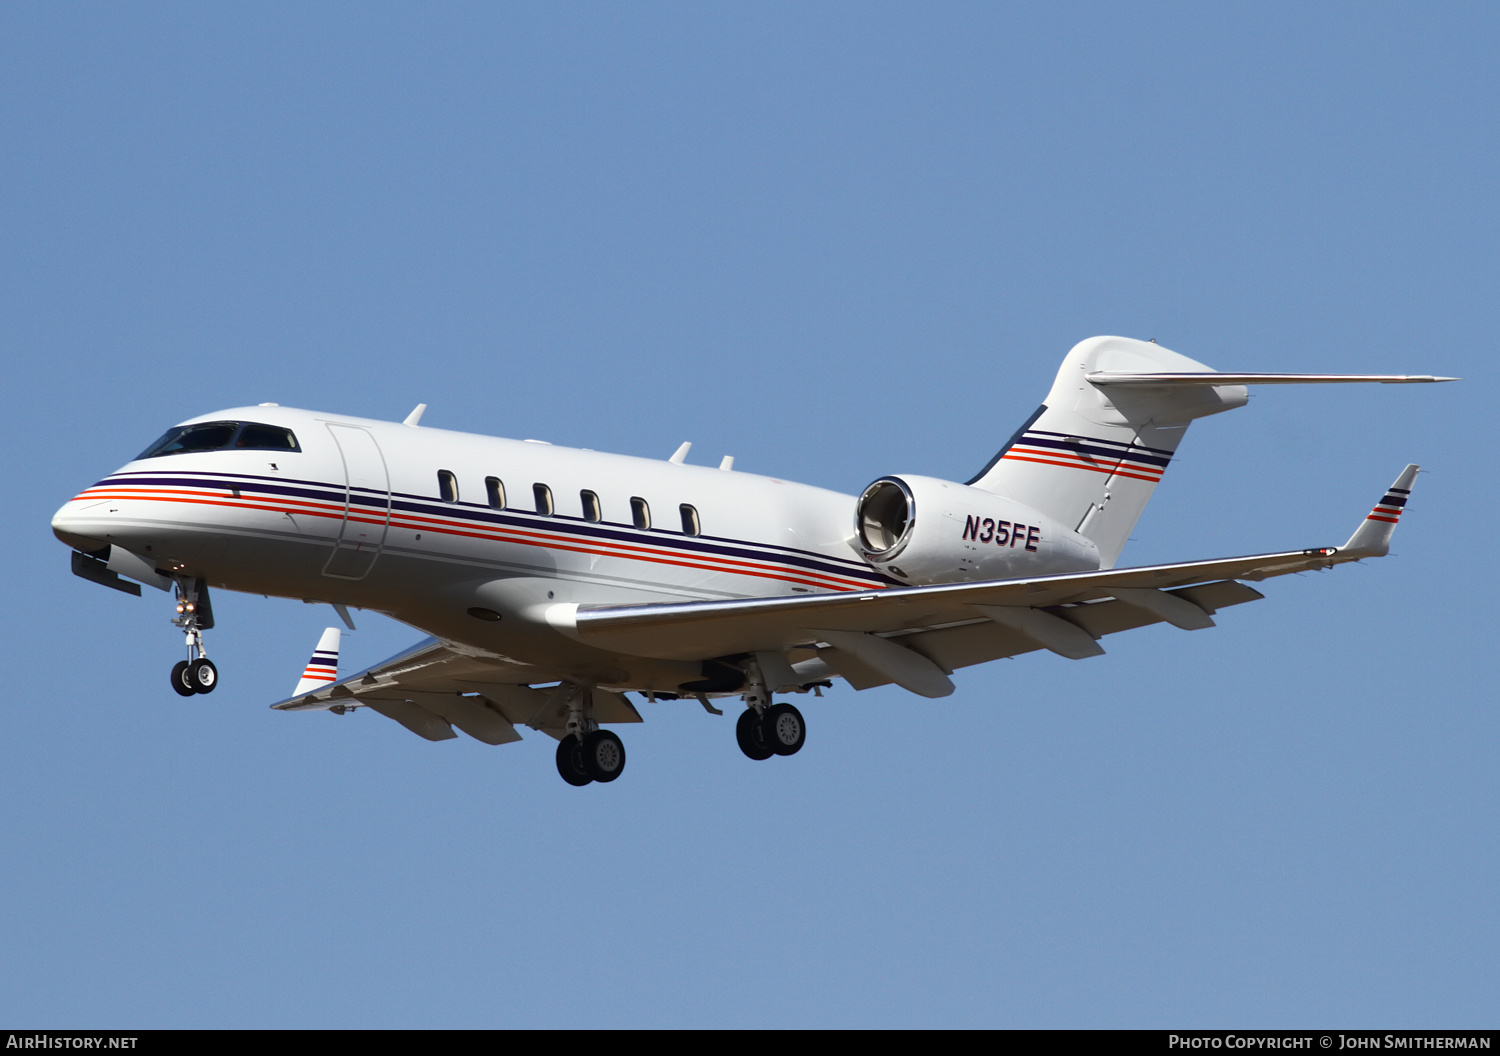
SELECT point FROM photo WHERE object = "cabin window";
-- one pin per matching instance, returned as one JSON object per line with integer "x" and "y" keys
{"x": 543, "y": 496}
{"x": 591, "y": 510}
{"x": 690, "y": 524}
{"x": 447, "y": 486}
{"x": 640, "y": 513}
{"x": 494, "y": 489}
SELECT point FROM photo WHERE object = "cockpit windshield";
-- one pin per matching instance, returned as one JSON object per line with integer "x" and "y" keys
{"x": 221, "y": 436}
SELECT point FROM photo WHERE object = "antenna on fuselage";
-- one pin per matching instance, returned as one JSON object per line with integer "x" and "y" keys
{"x": 727, "y": 464}
{"x": 415, "y": 416}
{"x": 681, "y": 453}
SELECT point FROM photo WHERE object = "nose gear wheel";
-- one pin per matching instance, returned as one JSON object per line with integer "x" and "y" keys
{"x": 180, "y": 680}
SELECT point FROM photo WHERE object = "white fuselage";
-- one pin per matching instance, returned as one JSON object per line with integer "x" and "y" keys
{"x": 359, "y": 517}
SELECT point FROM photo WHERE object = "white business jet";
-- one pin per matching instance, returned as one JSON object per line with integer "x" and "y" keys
{"x": 553, "y": 581}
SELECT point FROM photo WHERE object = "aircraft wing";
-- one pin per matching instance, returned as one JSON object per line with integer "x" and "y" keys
{"x": 432, "y": 688}
{"x": 916, "y": 636}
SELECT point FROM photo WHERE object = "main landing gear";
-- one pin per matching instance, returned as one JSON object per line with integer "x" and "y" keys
{"x": 196, "y": 674}
{"x": 776, "y": 730}
{"x": 598, "y": 757}
{"x": 588, "y": 753}
{"x": 766, "y": 728}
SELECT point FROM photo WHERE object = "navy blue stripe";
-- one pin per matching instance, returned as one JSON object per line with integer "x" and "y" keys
{"x": 375, "y": 501}
{"x": 1088, "y": 449}
{"x": 1015, "y": 438}
{"x": 583, "y": 530}
{"x": 309, "y": 490}
{"x": 1107, "y": 443}
{"x": 1389, "y": 500}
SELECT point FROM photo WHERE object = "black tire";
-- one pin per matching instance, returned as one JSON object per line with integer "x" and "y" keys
{"x": 570, "y": 762}
{"x": 752, "y": 736}
{"x": 180, "y": 679}
{"x": 603, "y": 755}
{"x": 202, "y": 675}
{"x": 785, "y": 730}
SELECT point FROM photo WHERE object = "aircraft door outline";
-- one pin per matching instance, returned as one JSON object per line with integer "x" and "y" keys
{"x": 360, "y": 541}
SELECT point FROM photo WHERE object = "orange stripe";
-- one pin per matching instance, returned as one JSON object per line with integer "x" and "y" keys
{"x": 1080, "y": 465}
{"x": 563, "y": 541}
{"x": 517, "y": 536}
{"x": 409, "y": 520}
{"x": 1086, "y": 460}
{"x": 444, "y": 525}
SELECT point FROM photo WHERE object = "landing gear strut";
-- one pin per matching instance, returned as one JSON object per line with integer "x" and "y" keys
{"x": 196, "y": 674}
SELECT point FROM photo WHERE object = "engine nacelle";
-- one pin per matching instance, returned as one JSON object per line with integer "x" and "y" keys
{"x": 925, "y": 530}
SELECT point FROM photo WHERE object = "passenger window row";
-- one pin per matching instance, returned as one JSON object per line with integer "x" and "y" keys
{"x": 541, "y": 497}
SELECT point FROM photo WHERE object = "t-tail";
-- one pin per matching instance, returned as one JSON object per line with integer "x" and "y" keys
{"x": 323, "y": 668}
{"x": 1092, "y": 454}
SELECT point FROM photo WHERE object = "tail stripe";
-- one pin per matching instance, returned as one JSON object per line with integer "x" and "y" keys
{"x": 1021, "y": 454}
{"x": 1100, "y": 456}
{"x": 1113, "y": 447}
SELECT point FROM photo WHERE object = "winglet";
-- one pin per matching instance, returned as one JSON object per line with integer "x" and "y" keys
{"x": 1373, "y": 537}
{"x": 323, "y": 668}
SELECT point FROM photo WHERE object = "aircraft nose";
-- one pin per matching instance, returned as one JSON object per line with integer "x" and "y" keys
{"x": 70, "y": 526}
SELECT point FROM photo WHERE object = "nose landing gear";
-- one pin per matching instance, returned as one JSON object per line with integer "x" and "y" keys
{"x": 196, "y": 674}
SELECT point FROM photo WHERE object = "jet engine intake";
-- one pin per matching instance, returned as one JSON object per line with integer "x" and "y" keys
{"x": 926, "y": 530}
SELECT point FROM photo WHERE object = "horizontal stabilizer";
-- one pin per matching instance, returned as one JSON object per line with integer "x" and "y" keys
{"x": 1217, "y": 378}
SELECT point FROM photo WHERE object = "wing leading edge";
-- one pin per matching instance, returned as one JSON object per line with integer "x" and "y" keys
{"x": 916, "y": 636}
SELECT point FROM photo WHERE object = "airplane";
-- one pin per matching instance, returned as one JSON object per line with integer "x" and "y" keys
{"x": 554, "y": 581}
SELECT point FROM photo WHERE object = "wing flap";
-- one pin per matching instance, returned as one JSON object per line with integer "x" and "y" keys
{"x": 697, "y": 630}
{"x": 415, "y": 718}
{"x": 951, "y": 648}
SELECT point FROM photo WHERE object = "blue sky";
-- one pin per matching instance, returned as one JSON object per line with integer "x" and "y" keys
{"x": 836, "y": 241}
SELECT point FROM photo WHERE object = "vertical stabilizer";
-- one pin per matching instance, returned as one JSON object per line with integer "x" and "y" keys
{"x": 323, "y": 669}
{"x": 1092, "y": 454}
